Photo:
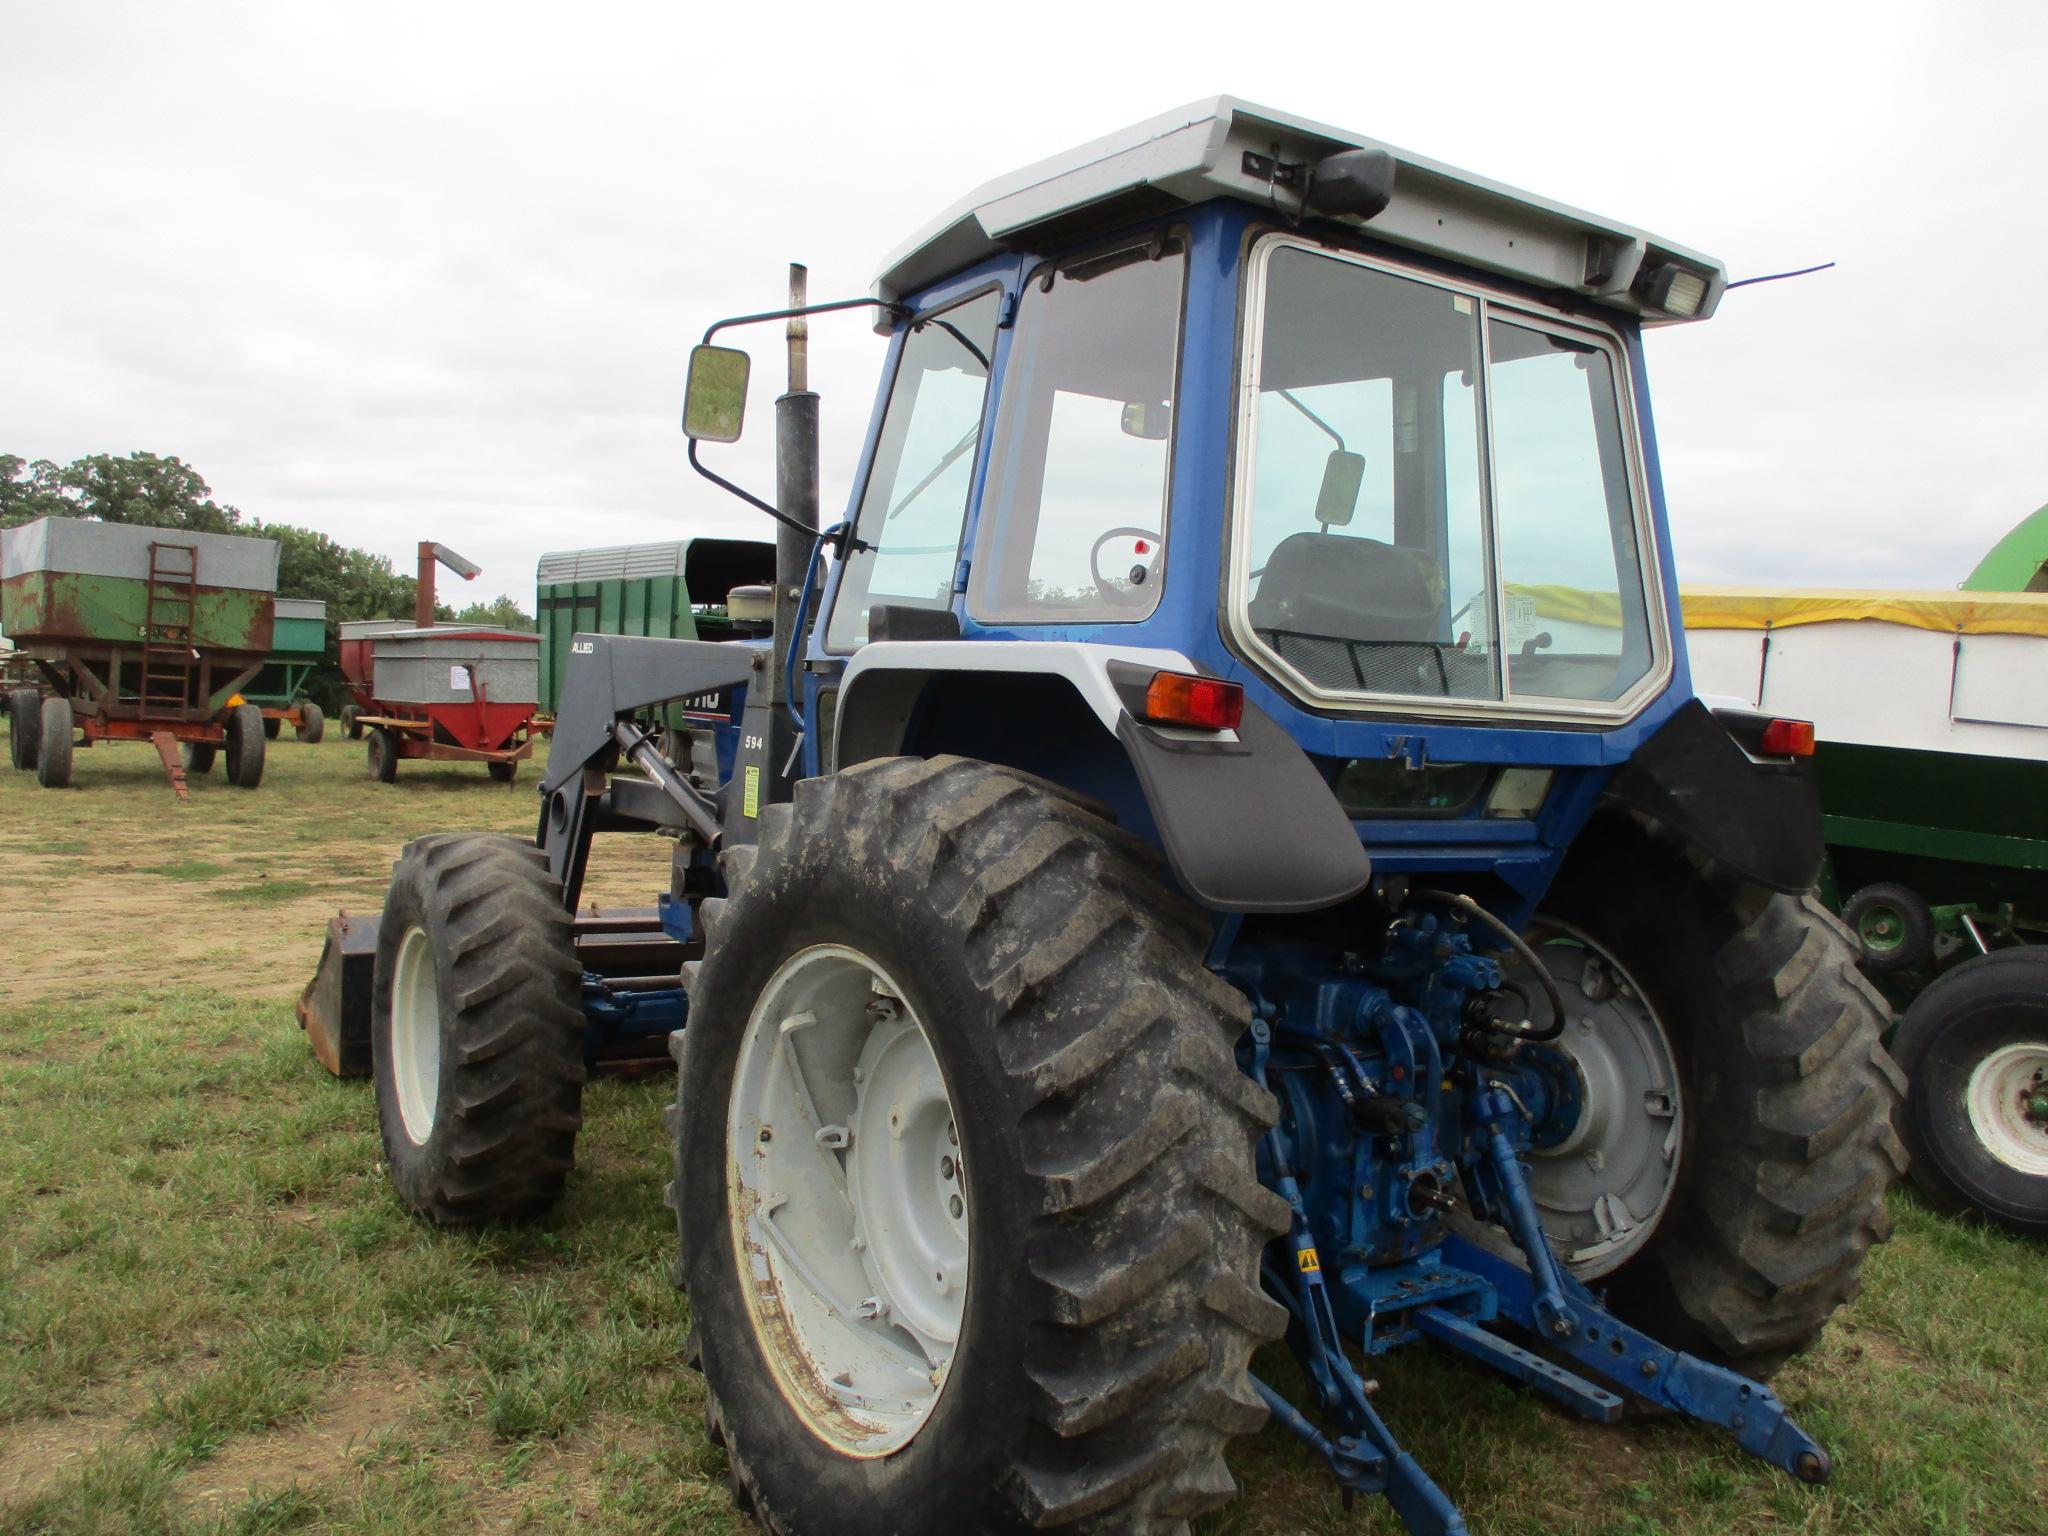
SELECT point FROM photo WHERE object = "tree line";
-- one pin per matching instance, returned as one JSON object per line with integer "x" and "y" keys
{"x": 165, "y": 492}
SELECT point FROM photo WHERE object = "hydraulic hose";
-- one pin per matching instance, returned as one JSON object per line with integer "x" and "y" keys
{"x": 1537, "y": 968}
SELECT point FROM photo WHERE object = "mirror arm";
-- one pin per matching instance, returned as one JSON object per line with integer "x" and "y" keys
{"x": 841, "y": 543}
{"x": 1330, "y": 431}
{"x": 896, "y": 311}
{"x": 744, "y": 494}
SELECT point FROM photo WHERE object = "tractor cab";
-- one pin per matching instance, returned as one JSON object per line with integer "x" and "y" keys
{"x": 1358, "y": 435}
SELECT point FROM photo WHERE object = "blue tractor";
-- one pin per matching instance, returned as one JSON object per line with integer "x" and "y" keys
{"x": 1220, "y": 845}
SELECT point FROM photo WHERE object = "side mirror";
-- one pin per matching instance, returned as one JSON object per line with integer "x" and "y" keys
{"x": 1337, "y": 498}
{"x": 1145, "y": 420}
{"x": 715, "y": 399}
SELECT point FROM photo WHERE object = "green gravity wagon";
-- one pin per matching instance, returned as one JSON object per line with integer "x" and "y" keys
{"x": 138, "y": 634}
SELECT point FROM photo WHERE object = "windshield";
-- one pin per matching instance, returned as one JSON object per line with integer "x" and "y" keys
{"x": 915, "y": 501}
{"x": 1382, "y": 553}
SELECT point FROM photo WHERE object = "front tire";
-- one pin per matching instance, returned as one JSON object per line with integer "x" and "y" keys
{"x": 199, "y": 756}
{"x": 476, "y": 1030}
{"x": 312, "y": 724}
{"x": 1974, "y": 1047}
{"x": 1786, "y": 1101}
{"x": 1111, "y": 1217}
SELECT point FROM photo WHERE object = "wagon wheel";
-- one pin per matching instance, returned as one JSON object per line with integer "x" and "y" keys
{"x": 382, "y": 752}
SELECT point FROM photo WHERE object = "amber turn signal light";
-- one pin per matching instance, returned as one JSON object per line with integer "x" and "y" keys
{"x": 1788, "y": 738}
{"x": 1206, "y": 703}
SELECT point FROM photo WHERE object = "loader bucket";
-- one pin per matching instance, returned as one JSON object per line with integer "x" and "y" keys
{"x": 334, "y": 1010}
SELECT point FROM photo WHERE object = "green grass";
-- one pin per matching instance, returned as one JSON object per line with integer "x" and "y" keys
{"x": 187, "y": 869}
{"x": 266, "y": 892}
{"x": 215, "y": 1319}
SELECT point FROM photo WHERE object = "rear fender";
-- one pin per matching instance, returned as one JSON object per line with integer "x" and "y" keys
{"x": 1245, "y": 819}
{"x": 1758, "y": 815}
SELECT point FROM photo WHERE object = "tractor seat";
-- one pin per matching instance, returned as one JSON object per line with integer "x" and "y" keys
{"x": 1349, "y": 589}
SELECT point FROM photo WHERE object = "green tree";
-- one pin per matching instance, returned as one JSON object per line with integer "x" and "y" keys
{"x": 29, "y": 491}
{"x": 503, "y": 611}
{"x": 144, "y": 488}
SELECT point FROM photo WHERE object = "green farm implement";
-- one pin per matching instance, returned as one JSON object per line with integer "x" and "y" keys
{"x": 1931, "y": 713}
{"x": 137, "y": 634}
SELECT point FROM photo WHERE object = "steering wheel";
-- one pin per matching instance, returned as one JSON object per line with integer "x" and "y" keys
{"x": 1130, "y": 591}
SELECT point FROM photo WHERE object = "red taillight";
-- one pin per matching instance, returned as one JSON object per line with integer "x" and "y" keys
{"x": 1207, "y": 703}
{"x": 1788, "y": 738}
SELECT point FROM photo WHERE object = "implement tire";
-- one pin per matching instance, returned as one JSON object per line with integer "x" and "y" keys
{"x": 1893, "y": 927}
{"x": 1974, "y": 1046}
{"x": 53, "y": 743}
{"x": 381, "y": 752}
{"x": 246, "y": 740}
{"x": 24, "y": 728}
{"x": 312, "y": 724}
{"x": 352, "y": 721}
{"x": 476, "y": 1030}
{"x": 1112, "y": 1221}
{"x": 1787, "y": 1097}
{"x": 199, "y": 756}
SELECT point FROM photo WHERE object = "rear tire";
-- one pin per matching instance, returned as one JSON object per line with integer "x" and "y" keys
{"x": 352, "y": 721}
{"x": 1892, "y": 925}
{"x": 246, "y": 737}
{"x": 382, "y": 753}
{"x": 199, "y": 757}
{"x": 24, "y": 728}
{"x": 272, "y": 727}
{"x": 1974, "y": 1047}
{"x": 476, "y": 1030}
{"x": 312, "y": 724}
{"x": 53, "y": 743}
{"x": 1113, "y": 1217}
{"x": 1787, "y": 1097}
{"x": 502, "y": 773}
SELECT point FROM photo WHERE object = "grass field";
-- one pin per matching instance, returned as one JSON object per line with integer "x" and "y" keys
{"x": 214, "y": 1317}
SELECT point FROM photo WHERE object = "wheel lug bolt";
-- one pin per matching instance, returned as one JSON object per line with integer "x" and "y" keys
{"x": 945, "y": 1167}
{"x": 956, "y": 1207}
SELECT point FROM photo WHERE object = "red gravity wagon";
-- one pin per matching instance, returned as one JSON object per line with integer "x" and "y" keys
{"x": 456, "y": 692}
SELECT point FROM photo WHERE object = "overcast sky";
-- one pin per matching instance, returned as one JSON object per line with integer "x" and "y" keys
{"x": 433, "y": 270}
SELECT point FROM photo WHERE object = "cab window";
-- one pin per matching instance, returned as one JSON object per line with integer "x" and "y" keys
{"x": 1076, "y": 508}
{"x": 1381, "y": 550}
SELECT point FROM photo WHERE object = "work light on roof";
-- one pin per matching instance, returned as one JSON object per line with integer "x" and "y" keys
{"x": 1675, "y": 289}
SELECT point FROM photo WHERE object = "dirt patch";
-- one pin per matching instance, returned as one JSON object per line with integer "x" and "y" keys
{"x": 234, "y": 891}
{"x": 37, "y": 1453}
{"x": 347, "y": 1419}
{"x": 1860, "y": 1344}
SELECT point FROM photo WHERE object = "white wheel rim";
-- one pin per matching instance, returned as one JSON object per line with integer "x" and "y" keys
{"x": 2004, "y": 1088}
{"x": 1603, "y": 1190}
{"x": 848, "y": 1200}
{"x": 416, "y": 1034}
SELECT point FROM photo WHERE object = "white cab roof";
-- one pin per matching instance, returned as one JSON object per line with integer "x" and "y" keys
{"x": 1221, "y": 148}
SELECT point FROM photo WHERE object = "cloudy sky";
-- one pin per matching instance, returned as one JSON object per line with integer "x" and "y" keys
{"x": 433, "y": 270}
